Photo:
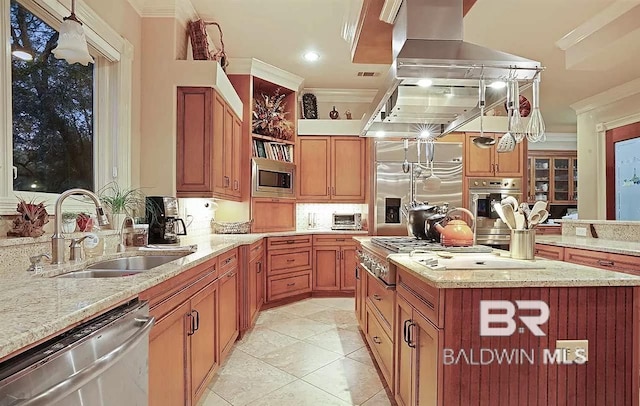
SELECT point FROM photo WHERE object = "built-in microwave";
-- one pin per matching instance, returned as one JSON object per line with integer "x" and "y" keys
{"x": 271, "y": 178}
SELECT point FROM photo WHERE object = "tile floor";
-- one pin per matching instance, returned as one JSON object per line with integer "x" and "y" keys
{"x": 307, "y": 353}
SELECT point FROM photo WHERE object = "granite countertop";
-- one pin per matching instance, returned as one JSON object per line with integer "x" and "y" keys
{"x": 35, "y": 307}
{"x": 554, "y": 273}
{"x": 594, "y": 244}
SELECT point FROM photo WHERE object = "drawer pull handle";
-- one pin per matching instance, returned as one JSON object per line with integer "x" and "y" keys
{"x": 377, "y": 340}
{"x": 410, "y": 341}
{"x": 377, "y": 297}
{"x": 290, "y": 241}
{"x": 405, "y": 334}
{"x": 226, "y": 261}
{"x": 290, "y": 260}
{"x": 291, "y": 284}
{"x": 605, "y": 263}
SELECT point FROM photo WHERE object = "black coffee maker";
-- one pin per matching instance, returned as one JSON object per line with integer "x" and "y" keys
{"x": 164, "y": 224}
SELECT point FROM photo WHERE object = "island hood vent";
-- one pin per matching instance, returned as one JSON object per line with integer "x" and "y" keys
{"x": 427, "y": 44}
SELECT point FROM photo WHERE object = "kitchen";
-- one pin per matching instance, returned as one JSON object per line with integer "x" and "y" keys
{"x": 222, "y": 303}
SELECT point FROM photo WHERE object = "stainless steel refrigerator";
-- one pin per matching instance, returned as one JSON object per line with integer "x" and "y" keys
{"x": 393, "y": 185}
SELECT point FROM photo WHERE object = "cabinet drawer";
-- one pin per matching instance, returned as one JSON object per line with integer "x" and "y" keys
{"x": 288, "y": 261}
{"x": 381, "y": 345}
{"x": 340, "y": 239}
{"x": 382, "y": 300}
{"x": 613, "y": 262}
{"x": 288, "y": 285}
{"x": 256, "y": 249}
{"x": 550, "y": 252}
{"x": 228, "y": 261}
{"x": 548, "y": 230}
{"x": 274, "y": 243}
{"x": 422, "y": 296}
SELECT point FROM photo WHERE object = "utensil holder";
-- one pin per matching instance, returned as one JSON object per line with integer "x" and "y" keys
{"x": 523, "y": 243}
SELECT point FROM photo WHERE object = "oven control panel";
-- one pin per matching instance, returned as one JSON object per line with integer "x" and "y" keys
{"x": 495, "y": 184}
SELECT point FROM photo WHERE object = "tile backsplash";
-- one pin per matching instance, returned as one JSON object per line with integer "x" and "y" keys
{"x": 197, "y": 215}
{"x": 323, "y": 213}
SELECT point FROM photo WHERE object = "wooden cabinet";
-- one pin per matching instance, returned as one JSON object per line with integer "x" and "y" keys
{"x": 289, "y": 264}
{"x": 331, "y": 169}
{"x": 544, "y": 229}
{"x": 553, "y": 177}
{"x": 361, "y": 287}
{"x": 334, "y": 263}
{"x": 270, "y": 215}
{"x": 208, "y": 160}
{"x": 203, "y": 351}
{"x": 228, "y": 314}
{"x": 256, "y": 277}
{"x": 605, "y": 260}
{"x": 549, "y": 252}
{"x": 488, "y": 162}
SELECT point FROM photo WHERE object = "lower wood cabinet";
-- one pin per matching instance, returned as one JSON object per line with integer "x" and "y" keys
{"x": 270, "y": 215}
{"x": 605, "y": 260}
{"x": 256, "y": 279}
{"x": 282, "y": 286}
{"x": 203, "y": 350}
{"x": 549, "y": 252}
{"x": 289, "y": 262}
{"x": 361, "y": 290}
{"x": 334, "y": 263}
{"x": 228, "y": 311}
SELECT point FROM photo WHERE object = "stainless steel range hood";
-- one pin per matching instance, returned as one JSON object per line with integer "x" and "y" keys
{"x": 427, "y": 44}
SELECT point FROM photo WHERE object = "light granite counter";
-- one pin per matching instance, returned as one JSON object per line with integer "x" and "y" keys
{"x": 35, "y": 307}
{"x": 555, "y": 273}
{"x": 594, "y": 244}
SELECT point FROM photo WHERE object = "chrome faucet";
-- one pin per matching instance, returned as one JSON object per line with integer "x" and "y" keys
{"x": 126, "y": 220}
{"x": 57, "y": 240}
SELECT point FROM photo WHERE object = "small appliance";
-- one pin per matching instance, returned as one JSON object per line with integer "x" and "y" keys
{"x": 346, "y": 221}
{"x": 272, "y": 178}
{"x": 165, "y": 225}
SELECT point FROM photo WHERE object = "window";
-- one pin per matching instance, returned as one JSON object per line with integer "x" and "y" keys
{"x": 52, "y": 104}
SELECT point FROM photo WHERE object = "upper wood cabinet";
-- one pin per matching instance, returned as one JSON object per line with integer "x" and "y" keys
{"x": 208, "y": 161}
{"x": 270, "y": 215}
{"x": 553, "y": 177}
{"x": 331, "y": 169}
{"x": 491, "y": 163}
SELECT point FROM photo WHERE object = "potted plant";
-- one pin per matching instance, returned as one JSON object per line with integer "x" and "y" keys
{"x": 120, "y": 202}
{"x": 68, "y": 222}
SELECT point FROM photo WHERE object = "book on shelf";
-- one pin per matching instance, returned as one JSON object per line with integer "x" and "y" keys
{"x": 272, "y": 150}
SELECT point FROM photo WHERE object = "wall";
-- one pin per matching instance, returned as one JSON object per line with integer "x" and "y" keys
{"x": 324, "y": 213}
{"x": 607, "y": 110}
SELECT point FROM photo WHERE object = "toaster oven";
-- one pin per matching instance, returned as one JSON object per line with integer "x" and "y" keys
{"x": 350, "y": 221}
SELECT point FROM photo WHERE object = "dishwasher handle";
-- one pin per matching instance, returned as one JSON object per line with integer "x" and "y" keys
{"x": 82, "y": 377}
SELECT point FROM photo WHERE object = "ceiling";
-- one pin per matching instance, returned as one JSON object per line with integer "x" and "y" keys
{"x": 280, "y": 31}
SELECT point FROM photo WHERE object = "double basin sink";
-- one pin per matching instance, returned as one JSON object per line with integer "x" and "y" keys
{"x": 113, "y": 268}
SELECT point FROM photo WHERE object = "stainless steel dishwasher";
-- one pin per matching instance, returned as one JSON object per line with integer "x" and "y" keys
{"x": 103, "y": 362}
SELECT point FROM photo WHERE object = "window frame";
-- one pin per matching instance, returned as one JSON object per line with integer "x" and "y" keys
{"x": 112, "y": 102}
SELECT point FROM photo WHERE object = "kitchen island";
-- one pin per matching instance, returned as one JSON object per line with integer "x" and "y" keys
{"x": 495, "y": 336}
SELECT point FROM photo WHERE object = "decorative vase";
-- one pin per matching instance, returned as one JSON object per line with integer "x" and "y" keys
{"x": 309, "y": 106}
{"x": 68, "y": 226}
{"x": 333, "y": 114}
{"x": 347, "y": 114}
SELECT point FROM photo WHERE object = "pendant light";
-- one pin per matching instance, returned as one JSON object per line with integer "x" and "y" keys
{"x": 72, "y": 43}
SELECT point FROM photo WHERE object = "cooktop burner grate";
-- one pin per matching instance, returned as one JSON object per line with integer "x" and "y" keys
{"x": 408, "y": 244}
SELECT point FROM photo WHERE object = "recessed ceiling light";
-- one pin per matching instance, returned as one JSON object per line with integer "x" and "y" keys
{"x": 311, "y": 56}
{"x": 425, "y": 82}
{"x": 380, "y": 133}
{"x": 424, "y": 134}
{"x": 498, "y": 84}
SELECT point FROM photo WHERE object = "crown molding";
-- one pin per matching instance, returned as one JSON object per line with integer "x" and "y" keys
{"x": 138, "y": 5}
{"x": 607, "y": 97}
{"x": 182, "y": 9}
{"x": 341, "y": 95}
{"x": 390, "y": 11}
{"x": 263, "y": 70}
{"x": 618, "y": 122}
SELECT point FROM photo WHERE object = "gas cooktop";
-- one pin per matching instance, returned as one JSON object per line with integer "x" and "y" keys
{"x": 408, "y": 244}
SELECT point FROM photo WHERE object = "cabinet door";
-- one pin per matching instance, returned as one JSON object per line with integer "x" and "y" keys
{"x": 359, "y": 297}
{"x": 273, "y": 215}
{"x": 574, "y": 177}
{"x": 218, "y": 145}
{"x": 228, "y": 311}
{"x": 428, "y": 365}
{"x": 477, "y": 161}
{"x": 348, "y": 177}
{"x": 326, "y": 268}
{"x": 168, "y": 360}
{"x": 252, "y": 288}
{"x": 228, "y": 150}
{"x": 562, "y": 180}
{"x": 193, "y": 154}
{"x": 236, "y": 158}
{"x": 349, "y": 261}
{"x": 313, "y": 168}
{"x": 404, "y": 381}
{"x": 541, "y": 179}
{"x": 261, "y": 283}
{"x": 204, "y": 357}
{"x": 509, "y": 164}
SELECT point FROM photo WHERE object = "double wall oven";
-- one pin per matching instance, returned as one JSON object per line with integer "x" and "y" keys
{"x": 490, "y": 230}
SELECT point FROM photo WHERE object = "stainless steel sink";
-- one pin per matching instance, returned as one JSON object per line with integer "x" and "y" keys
{"x": 119, "y": 267}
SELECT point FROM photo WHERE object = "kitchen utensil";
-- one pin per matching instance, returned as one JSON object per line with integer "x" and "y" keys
{"x": 535, "y": 131}
{"x": 522, "y": 244}
{"x": 457, "y": 233}
{"x": 482, "y": 141}
{"x": 512, "y": 201}
{"x": 539, "y": 205}
{"x": 507, "y": 142}
{"x": 417, "y": 169}
{"x": 520, "y": 220}
{"x": 405, "y": 164}
{"x": 498, "y": 209}
{"x": 433, "y": 182}
{"x": 544, "y": 215}
{"x": 525, "y": 209}
{"x": 517, "y": 125}
{"x": 509, "y": 216}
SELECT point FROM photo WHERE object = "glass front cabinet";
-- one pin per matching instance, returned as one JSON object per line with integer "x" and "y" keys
{"x": 553, "y": 177}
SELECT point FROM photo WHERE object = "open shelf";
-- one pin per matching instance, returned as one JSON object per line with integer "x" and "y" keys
{"x": 272, "y": 139}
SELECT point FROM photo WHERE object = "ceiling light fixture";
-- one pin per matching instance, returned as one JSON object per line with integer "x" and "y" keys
{"x": 21, "y": 52}
{"x": 425, "y": 134}
{"x": 425, "y": 82}
{"x": 311, "y": 56}
{"x": 498, "y": 84}
{"x": 72, "y": 43}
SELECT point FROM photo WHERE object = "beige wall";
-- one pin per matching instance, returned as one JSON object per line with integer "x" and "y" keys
{"x": 592, "y": 191}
